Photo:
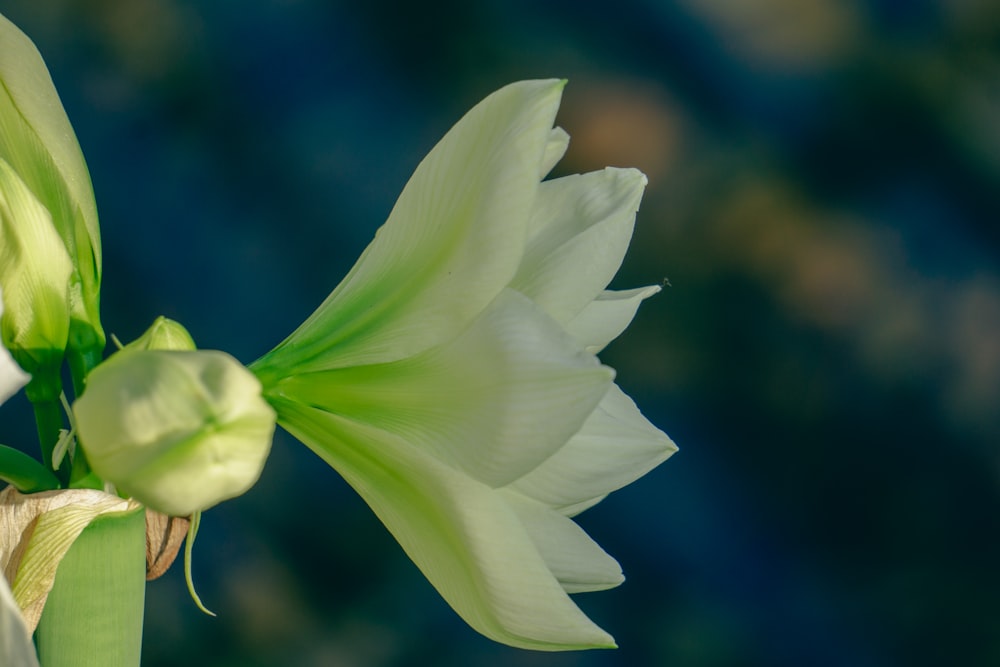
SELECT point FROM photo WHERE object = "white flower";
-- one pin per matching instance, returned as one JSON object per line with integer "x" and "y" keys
{"x": 451, "y": 377}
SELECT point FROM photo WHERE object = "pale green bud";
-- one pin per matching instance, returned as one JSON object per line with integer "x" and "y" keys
{"x": 163, "y": 334}
{"x": 180, "y": 431}
{"x": 38, "y": 143}
{"x": 34, "y": 276}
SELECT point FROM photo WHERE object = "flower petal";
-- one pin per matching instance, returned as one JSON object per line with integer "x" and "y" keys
{"x": 453, "y": 240}
{"x": 12, "y": 378}
{"x": 495, "y": 402}
{"x": 555, "y": 149}
{"x": 607, "y": 316}
{"x": 16, "y": 649}
{"x": 580, "y": 229}
{"x": 615, "y": 447}
{"x": 576, "y": 560}
{"x": 462, "y": 534}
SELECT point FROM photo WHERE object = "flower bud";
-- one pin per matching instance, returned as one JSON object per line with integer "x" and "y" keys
{"x": 163, "y": 334}
{"x": 39, "y": 145}
{"x": 34, "y": 276}
{"x": 180, "y": 431}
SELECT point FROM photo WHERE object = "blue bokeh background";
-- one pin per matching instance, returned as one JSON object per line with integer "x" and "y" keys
{"x": 823, "y": 198}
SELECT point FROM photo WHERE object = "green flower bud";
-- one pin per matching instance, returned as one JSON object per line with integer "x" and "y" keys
{"x": 39, "y": 145}
{"x": 180, "y": 431}
{"x": 34, "y": 278}
{"x": 163, "y": 334}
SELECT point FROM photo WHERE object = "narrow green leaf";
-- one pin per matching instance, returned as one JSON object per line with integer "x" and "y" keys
{"x": 25, "y": 473}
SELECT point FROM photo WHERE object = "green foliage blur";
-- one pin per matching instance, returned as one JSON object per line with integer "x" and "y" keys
{"x": 823, "y": 203}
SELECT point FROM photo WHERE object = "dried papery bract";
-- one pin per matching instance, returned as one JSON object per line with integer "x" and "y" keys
{"x": 36, "y": 531}
{"x": 164, "y": 537}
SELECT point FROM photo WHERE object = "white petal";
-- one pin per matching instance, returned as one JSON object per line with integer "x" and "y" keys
{"x": 12, "y": 378}
{"x": 452, "y": 242}
{"x": 495, "y": 402}
{"x": 462, "y": 534}
{"x": 578, "y": 562}
{"x": 16, "y": 649}
{"x": 580, "y": 229}
{"x": 615, "y": 447}
{"x": 555, "y": 149}
{"x": 607, "y": 316}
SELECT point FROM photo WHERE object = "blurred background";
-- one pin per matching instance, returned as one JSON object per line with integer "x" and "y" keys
{"x": 823, "y": 199}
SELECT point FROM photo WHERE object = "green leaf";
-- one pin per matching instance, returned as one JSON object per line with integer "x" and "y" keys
{"x": 25, "y": 473}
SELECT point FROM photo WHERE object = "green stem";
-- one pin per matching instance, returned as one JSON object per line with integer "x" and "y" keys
{"x": 81, "y": 361}
{"x": 93, "y": 616}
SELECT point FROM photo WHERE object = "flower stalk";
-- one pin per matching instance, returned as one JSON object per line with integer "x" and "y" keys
{"x": 94, "y": 612}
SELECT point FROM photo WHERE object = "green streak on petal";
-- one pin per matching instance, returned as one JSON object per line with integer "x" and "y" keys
{"x": 452, "y": 242}
{"x": 496, "y": 401}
